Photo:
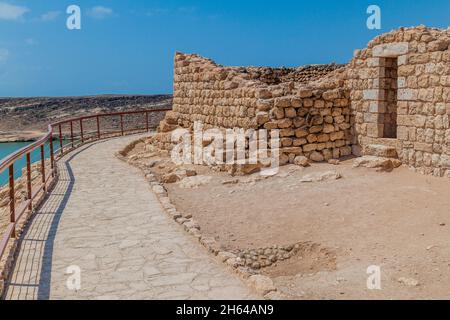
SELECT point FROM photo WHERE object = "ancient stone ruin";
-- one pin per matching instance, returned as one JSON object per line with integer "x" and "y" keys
{"x": 391, "y": 100}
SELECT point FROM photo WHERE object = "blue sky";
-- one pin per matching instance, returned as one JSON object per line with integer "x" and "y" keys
{"x": 127, "y": 47}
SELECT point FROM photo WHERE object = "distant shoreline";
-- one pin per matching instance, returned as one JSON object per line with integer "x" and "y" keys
{"x": 26, "y": 119}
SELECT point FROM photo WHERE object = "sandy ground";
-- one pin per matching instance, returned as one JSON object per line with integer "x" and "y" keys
{"x": 399, "y": 221}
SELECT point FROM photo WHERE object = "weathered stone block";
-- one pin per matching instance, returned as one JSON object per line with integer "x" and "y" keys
{"x": 263, "y": 94}
{"x": 374, "y": 130}
{"x": 283, "y": 102}
{"x": 421, "y": 146}
{"x": 406, "y": 94}
{"x": 264, "y": 105}
{"x": 373, "y": 94}
{"x": 309, "y": 147}
{"x": 284, "y": 123}
{"x": 305, "y": 93}
{"x": 390, "y": 50}
{"x": 402, "y": 133}
{"x": 301, "y": 133}
{"x": 316, "y": 156}
{"x": 262, "y": 117}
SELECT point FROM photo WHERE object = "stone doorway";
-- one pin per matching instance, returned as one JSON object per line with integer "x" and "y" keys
{"x": 388, "y": 118}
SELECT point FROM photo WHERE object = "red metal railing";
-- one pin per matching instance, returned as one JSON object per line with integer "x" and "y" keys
{"x": 47, "y": 177}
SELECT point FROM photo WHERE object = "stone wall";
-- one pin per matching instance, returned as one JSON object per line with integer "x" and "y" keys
{"x": 313, "y": 121}
{"x": 394, "y": 93}
{"x": 414, "y": 99}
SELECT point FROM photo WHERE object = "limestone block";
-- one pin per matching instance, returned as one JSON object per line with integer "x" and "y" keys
{"x": 299, "y": 122}
{"x": 309, "y": 147}
{"x": 294, "y": 150}
{"x": 301, "y": 161}
{"x": 264, "y": 105}
{"x": 288, "y": 132}
{"x": 425, "y": 147}
{"x": 271, "y": 125}
{"x": 283, "y": 102}
{"x": 328, "y": 128}
{"x": 406, "y": 94}
{"x": 263, "y": 93}
{"x": 296, "y": 102}
{"x": 315, "y": 129}
{"x": 299, "y": 142}
{"x": 373, "y": 94}
{"x": 319, "y": 104}
{"x": 286, "y": 142}
{"x": 311, "y": 138}
{"x": 445, "y": 161}
{"x": 277, "y": 113}
{"x": 374, "y": 130}
{"x": 305, "y": 93}
{"x": 284, "y": 123}
{"x": 290, "y": 112}
{"x": 308, "y": 102}
{"x": 337, "y": 135}
{"x": 438, "y": 45}
{"x": 402, "y": 133}
{"x": 390, "y": 50}
{"x": 345, "y": 151}
{"x": 316, "y": 156}
{"x": 323, "y": 137}
{"x": 262, "y": 117}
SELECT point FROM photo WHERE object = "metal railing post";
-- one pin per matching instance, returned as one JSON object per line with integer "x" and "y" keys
{"x": 98, "y": 127}
{"x": 29, "y": 194}
{"x": 52, "y": 157}
{"x": 60, "y": 141}
{"x": 12, "y": 199}
{"x": 81, "y": 130}
{"x": 121, "y": 124}
{"x": 43, "y": 167}
{"x": 71, "y": 133}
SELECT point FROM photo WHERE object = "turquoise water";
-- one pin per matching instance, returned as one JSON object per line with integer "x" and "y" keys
{"x": 10, "y": 147}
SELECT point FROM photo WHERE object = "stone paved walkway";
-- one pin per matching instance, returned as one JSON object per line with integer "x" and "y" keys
{"x": 103, "y": 218}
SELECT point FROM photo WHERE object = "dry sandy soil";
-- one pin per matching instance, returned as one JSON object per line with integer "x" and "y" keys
{"x": 399, "y": 221}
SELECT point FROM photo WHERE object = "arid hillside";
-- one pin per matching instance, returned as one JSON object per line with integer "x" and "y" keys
{"x": 27, "y": 118}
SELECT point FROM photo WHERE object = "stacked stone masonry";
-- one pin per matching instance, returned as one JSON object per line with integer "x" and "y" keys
{"x": 396, "y": 92}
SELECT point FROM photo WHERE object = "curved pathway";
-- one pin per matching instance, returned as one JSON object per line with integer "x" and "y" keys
{"x": 102, "y": 219}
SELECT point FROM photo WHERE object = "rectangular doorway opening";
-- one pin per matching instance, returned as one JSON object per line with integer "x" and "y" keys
{"x": 389, "y": 117}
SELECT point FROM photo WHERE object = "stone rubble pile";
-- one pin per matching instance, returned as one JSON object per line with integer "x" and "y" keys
{"x": 265, "y": 257}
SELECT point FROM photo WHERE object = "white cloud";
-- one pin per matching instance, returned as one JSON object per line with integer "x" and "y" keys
{"x": 157, "y": 12}
{"x": 4, "y": 54}
{"x": 12, "y": 12}
{"x": 30, "y": 41}
{"x": 51, "y": 15}
{"x": 100, "y": 12}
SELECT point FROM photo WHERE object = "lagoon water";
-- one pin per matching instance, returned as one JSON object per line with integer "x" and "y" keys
{"x": 9, "y": 147}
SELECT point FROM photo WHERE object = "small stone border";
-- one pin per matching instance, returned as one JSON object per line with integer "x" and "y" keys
{"x": 260, "y": 284}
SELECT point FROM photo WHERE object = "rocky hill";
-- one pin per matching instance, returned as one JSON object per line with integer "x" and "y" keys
{"x": 23, "y": 119}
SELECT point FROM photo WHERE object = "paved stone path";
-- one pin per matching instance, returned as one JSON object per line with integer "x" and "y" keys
{"x": 103, "y": 218}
